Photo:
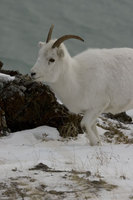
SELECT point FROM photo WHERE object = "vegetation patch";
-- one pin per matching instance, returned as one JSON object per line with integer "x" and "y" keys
{"x": 116, "y": 131}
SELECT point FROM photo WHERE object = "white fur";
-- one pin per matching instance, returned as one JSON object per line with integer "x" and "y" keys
{"x": 93, "y": 82}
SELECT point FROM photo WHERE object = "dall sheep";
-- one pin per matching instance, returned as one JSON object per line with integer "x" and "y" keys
{"x": 93, "y": 82}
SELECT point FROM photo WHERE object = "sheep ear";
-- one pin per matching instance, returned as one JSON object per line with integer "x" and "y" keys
{"x": 60, "y": 52}
{"x": 40, "y": 44}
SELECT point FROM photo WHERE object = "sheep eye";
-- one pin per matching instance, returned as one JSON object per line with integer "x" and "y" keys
{"x": 51, "y": 60}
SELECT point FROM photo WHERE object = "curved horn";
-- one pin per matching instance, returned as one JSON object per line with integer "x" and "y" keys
{"x": 50, "y": 33}
{"x": 65, "y": 37}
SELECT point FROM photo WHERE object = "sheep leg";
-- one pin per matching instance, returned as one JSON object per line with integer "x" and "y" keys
{"x": 88, "y": 124}
{"x": 94, "y": 128}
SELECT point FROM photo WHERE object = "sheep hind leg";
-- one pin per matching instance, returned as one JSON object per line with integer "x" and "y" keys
{"x": 89, "y": 127}
{"x": 89, "y": 122}
{"x": 90, "y": 135}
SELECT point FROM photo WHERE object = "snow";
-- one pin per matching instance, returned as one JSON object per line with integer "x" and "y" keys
{"x": 6, "y": 78}
{"x": 76, "y": 170}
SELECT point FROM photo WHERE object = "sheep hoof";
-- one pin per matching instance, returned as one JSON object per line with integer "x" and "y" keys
{"x": 96, "y": 143}
{"x": 99, "y": 143}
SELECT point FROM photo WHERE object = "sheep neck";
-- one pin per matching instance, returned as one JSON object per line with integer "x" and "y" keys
{"x": 66, "y": 87}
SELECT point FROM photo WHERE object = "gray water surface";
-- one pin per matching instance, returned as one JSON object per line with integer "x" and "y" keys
{"x": 102, "y": 23}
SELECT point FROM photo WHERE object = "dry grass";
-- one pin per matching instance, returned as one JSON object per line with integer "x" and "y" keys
{"x": 115, "y": 131}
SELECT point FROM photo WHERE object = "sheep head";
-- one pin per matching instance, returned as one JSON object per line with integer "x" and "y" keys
{"x": 52, "y": 56}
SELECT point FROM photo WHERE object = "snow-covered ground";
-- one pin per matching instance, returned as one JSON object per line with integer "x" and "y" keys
{"x": 38, "y": 164}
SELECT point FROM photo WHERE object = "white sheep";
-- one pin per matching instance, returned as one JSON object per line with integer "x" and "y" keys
{"x": 93, "y": 82}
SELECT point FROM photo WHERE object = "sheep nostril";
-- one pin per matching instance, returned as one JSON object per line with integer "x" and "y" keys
{"x": 33, "y": 74}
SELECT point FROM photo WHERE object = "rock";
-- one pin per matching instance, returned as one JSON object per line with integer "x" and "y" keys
{"x": 122, "y": 117}
{"x": 1, "y": 64}
{"x": 3, "y": 126}
{"x": 27, "y": 104}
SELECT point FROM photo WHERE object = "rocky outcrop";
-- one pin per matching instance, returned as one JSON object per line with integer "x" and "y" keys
{"x": 26, "y": 104}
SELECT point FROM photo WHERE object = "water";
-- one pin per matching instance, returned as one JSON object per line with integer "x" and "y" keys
{"x": 102, "y": 23}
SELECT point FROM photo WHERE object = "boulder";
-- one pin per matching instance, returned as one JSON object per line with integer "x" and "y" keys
{"x": 27, "y": 104}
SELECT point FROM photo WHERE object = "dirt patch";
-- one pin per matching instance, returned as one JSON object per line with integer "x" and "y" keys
{"x": 44, "y": 185}
{"x": 45, "y": 168}
{"x": 41, "y": 167}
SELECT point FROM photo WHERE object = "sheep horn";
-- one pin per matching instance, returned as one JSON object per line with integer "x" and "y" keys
{"x": 50, "y": 33}
{"x": 65, "y": 37}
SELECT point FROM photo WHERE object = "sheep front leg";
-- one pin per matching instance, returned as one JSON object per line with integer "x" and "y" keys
{"x": 88, "y": 123}
{"x": 94, "y": 128}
